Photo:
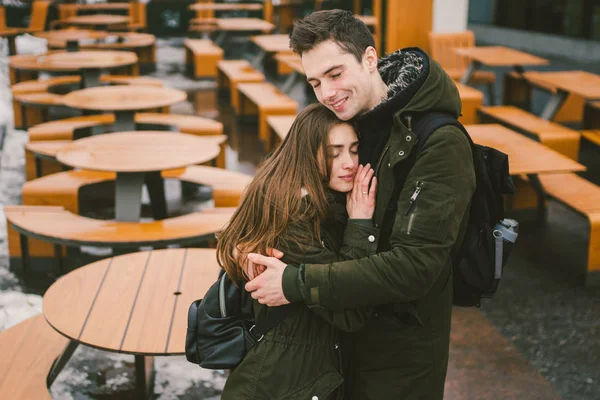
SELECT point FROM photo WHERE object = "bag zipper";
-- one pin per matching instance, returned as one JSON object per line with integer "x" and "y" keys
{"x": 222, "y": 305}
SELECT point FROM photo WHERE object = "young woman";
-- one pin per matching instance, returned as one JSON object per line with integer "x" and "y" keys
{"x": 299, "y": 202}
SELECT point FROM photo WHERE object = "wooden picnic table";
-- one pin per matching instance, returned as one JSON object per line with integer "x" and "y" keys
{"x": 104, "y": 7}
{"x": 70, "y": 38}
{"x": 124, "y": 101}
{"x": 294, "y": 62}
{"x": 580, "y": 83}
{"x": 10, "y": 34}
{"x": 268, "y": 44}
{"x": 90, "y": 64}
{"x": 75, "y": 39}
{"x": 101, "y": 21}
{"x": 225, "y": 25}
{"x": 134, "y": 304}
{"x": 496, "y": 56}
{"x": 137, "y": 158}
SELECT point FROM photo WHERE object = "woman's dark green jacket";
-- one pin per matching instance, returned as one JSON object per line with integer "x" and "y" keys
{"x": 301, "y": 357}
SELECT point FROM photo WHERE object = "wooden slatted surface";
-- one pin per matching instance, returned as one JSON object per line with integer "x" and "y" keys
{"x": 580, "y": 83}
{"x": 56, "y": 224}
{"x": 28, "y": 351}
{"x": 525, "y": 156}
{"x": 136, "y": 303}
{"x": 499, "y": 56}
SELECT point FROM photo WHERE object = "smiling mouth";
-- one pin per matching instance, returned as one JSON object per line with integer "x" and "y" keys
{"x": 339, "y": 103}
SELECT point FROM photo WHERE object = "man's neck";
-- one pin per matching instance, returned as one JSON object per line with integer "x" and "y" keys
{"x": 380, "y": 91}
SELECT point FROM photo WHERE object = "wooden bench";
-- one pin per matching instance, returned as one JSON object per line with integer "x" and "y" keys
{"x": 591, "y": 115}
{"x": 29, "y": 350}
{"x": 40, "y": 156}
{"x": 60, "y": 227}
{"x": 230, "y": 73}
{"x": 584, "y": 197}
{"x": 553, "y": 135}
{"x": 472, "y": 100}
{"x": 266, "y": 100}
{"x": 33, "y": 108}
{"x": 279, "y": 126}
{"x": 518, "y": 91}
{"x": 202, "y": 55}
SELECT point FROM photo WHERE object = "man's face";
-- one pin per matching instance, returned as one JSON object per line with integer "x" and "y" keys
{"x": 340, "y": 82}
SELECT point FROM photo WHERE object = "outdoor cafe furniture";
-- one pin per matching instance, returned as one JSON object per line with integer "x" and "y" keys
{"x": 89, "y": 64}
{"x": 579, "y": 83}
{"x": 270, "y": 44}
{"x": 245, "y": 25}
{"x": 10, "y": 34}
{"x": 123, "y": 101}
{"x": 496, "y": 56}
{"x": 137, "y": 158}
{"x": 133, "y": 304}
{"x": 99, "y": 21}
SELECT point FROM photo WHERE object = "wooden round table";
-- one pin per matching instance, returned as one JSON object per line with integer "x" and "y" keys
{"x": 137, "y": 158}
{"x": 70, "y": 38}
{"x": 124, "y": 101}
{"x": 101, "y": 21}
{"x": 89, "y": 64}
{"x": 134, "y": 304}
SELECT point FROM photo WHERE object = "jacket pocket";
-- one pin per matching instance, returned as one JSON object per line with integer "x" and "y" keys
{"x": 426, "y": 208}
{"x": 322, "y": 387}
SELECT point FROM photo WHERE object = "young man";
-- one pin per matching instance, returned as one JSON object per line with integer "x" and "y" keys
{"x": 403, "y": 351}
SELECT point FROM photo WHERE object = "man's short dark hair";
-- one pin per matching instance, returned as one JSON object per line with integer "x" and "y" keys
{"x": 341, "y": 26}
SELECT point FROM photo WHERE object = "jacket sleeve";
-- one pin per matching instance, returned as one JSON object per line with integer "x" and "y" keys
{"x": 421, "y": 241}
{"x": 360, "y": 240}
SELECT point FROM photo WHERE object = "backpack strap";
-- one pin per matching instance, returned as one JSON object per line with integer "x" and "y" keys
{"x": 265, "y": 322}
{"x": 423, "y": 127}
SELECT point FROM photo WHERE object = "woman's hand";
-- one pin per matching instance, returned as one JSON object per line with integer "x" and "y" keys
{"x": 360, "y": 202}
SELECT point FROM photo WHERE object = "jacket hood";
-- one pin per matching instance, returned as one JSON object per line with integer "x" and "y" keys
{"x": 416, "y": 83}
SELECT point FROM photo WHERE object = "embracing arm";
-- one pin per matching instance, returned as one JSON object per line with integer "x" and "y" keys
{"x": 421, "y": 240}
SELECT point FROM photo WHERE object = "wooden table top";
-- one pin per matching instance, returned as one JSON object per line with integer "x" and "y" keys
{"x": 468, "y": 92}
{"x": 103, "y": 6}
{"x": 123, "y": 98}
{"x": 226, "y": 6}
{"x": 500, "y": 56}
{"x": 135, "y": 303}
{"x": 273, "y": 43}
{"x": 90, "y": 39}
{"x": 581, "y": 83}
{"x": 368, "y": 20}
{"x": 525, "y": 156}
{"x": 138, "y": 151}
{"x": 281, "y": 124}
{"x": 244, "y": 24}
{"x": 98, "y": 19}
{"x": 8, "y": 32}
{"x": 291, "y": 60}
{"x": 71, "y": 34}
{"x": 65, "y": 61}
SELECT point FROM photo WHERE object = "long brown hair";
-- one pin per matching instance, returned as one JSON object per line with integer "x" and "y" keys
{"x": 273, "y": 199}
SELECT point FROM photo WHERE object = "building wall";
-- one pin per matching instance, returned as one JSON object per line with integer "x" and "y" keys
{"x": 450, "y": 15}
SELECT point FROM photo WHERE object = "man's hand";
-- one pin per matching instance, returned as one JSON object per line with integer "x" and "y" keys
{"x": 267, "y": 287}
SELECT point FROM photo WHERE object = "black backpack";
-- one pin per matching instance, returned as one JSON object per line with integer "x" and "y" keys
{"x": 474, "y": 264}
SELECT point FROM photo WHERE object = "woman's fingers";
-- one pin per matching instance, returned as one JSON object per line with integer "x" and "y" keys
{"x": 373, "y": 190}
{"x": 365, "y": 182}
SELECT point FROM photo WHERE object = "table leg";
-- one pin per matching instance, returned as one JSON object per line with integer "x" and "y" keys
{"x": 90, "y": 78}
{"x": 536, "y": 184}
{"x": 124, "y": 121}
{"x": 473, "y": 66}
{"x": 519, "y": 69}
{"x": 24, "y": 242}
{"x": 12, "y": 45}
{"x": 554, "y": 104}
{"x": 290, "y": 82}
{"x": 258, "y": 60}
{"x": 60, "y": 362}
{"x": 220, "y": 38}
{"x": 128, "y": 201}
{"x": 72, "y": 45}
{"x": 156, "y": 190}
{"x": 144, "y": 376}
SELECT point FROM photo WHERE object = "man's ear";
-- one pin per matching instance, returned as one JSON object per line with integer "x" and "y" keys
{"x": 370, "y": 58}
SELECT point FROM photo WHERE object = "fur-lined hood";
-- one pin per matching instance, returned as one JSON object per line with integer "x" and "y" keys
{"x": 416, "y": 83}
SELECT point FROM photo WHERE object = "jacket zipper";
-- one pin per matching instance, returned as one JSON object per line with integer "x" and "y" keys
{"x": 222, "y": 305}
{"x": 414, "y": 196}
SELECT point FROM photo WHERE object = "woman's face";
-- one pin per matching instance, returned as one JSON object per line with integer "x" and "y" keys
{"x": 342, "y": 155}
